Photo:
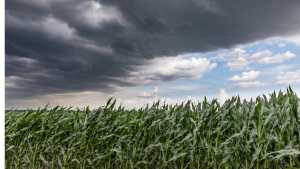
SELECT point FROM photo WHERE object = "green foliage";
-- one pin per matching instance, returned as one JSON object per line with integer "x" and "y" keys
{"x": 264, "y": 133}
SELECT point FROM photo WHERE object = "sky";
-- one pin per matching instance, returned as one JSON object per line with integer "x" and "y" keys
{"x": 81, "y": 53}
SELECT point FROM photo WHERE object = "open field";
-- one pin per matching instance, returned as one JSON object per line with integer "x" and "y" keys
{"x": 262, "y": 133}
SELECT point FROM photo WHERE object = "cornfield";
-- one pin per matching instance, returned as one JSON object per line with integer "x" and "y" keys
{"x": 260, "y": 133}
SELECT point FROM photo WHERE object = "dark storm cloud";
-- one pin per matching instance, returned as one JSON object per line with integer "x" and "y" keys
{"x": 61, "y": 46}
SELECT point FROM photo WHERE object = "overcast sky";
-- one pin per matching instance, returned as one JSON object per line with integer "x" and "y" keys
{"x": 79, "y": 53}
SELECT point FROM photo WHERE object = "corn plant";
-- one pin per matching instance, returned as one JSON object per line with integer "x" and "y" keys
{"x": 260, "y": 133}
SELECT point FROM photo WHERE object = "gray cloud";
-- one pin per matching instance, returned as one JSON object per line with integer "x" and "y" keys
{"x": 61, "y": 46}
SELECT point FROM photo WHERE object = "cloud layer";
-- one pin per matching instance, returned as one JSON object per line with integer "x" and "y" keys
{"x": 246, "y": 76}
{"x": 248, "y": 84}
{"x": 245, "y": 80}
{"x": 278, "y": 58}
{"x": 68, "y": 46}
{"x": 222, "y": 96}
{"x": 288, "y": 78}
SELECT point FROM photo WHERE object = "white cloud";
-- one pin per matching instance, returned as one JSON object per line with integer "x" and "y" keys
{"x": 240, "y": 59}
{"x": 168, "y": 69}
{"x": 260, "y": 55}
{"x": 140, "y": 101}
{"x": 289, "y": 75}
{"x": 155, "y": 89}
{"x": 239, "y": 64}
{"x": 144, "y": 94}
{"x": 151, "y": 94}
{"x": 193, "y": 99}
{"x": 135, "y": 100}
{"x": 222, "y": 96}
{"x": 281, "y": 45}
{"x": 269, "y": 43}
{"x": 210, "y": 67}
{"x": 287, "y": 82}
{"x": 294, "y": 38}
{"x": 188, "y": 64}
{"x": 213, "y": 58}
{"x": 277, "y": 69}
{"x": 186, "y": 87}
{"x": 246, "y": 76}
{"x": 248, "y": 84}
{"x": 232, "y": 56}
{"x": 167, "y": 101}
{"x": 277, "y": 58}
{"x": 238, "y": 56}
{"x": 154, "y": 100}
{"x": 245, "y": 80}
{"x": 248, "y": 68}
{"x": 144, "y": 97}
{"x": 288, "y": 78}
{"x": 119, "y": 100}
